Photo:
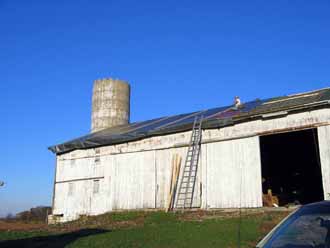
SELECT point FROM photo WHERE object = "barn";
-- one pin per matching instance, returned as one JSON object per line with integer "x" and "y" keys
{"x": 281, "y": 144}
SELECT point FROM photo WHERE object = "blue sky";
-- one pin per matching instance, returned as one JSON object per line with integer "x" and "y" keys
{"x": 179, "y": 56}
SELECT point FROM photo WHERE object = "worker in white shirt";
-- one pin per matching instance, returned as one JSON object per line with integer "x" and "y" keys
{"x": 237, "y": 103}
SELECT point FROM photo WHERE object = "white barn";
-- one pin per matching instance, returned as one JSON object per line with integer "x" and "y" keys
{"x": 280, "y": 144}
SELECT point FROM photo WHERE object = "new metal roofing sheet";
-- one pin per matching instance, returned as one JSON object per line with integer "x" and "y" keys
{"x": 213, "y": 118}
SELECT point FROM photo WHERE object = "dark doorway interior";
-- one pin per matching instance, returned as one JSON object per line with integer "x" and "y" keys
{"x": 291, "y": 167}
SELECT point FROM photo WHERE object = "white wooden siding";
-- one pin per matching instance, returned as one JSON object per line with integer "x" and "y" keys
{"x": 137, "y": 174}
{"x": 81, "y": 202}
{"x": 234, "y": 174}
{"x": 82, "y": 168}
{"x": 133, "y": 181}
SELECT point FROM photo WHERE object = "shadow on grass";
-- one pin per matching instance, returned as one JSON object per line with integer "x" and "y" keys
{"x": 52, "y": 241}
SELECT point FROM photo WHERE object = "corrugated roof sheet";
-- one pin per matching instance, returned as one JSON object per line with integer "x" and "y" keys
{"x": 213, "y": 118}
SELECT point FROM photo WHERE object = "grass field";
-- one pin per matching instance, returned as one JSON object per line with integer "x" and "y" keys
{"x": 145, "y": 229}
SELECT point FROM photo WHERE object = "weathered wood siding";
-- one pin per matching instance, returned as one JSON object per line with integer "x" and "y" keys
{"x": 79, "y": 173}
{"x": 82, "y": 201}
{"x": 234, "y": 174}
{"x": 324, "y": 147}
{"x": 228, "y": 176}
{"x": 133, "y": 181}
{"x": 127, "y": 181}
{"x": 137, "y": 175}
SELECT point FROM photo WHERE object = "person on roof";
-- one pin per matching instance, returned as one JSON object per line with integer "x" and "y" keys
{"x": 237, "y": 103}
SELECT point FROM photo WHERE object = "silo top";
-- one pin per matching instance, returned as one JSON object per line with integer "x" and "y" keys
{"x": 111, "y": 103}
{"x": 110, "y": 81}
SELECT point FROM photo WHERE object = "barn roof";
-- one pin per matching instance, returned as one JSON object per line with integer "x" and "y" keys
{"x": 213, "y": 118}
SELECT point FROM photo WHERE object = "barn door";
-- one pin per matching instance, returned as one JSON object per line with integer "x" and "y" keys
{"x": 234, "y": 174}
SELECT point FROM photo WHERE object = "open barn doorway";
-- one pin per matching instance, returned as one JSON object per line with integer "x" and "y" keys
{"x": 291, "y": 170}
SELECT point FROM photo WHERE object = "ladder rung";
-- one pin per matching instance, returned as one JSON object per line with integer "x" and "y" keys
{"x": 182, "y": 193}
{"x": 190, "y": 166}
{"x": 186, "y": 181}
{"x": 184, "y": 198}
{"x": 190, "y": 169}
{"x": 191, "y": 159}
{"x": 192, "y": 173}
{"x": 185, "y": 201}
{"x": 186, "y": 187}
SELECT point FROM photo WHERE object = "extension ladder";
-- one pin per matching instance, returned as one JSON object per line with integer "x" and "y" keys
{"x": 188, "y": 180}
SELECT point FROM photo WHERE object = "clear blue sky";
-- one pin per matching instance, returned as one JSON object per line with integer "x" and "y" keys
{"x": 179, "y": 56}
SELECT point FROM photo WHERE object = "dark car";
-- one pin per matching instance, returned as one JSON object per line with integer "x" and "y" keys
{"x": 307, "y": 227}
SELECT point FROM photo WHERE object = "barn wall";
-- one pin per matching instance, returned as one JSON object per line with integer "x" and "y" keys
{"x": 324, "y": 148}
{"x": 81, "y": 202}
{"x": 141, "y": 180}
{"x": 127, "y": 181}
{"x": 136, "y": 175}
{"x": 132, "y": 180}
{"x": 80, "y": 173}
{"x": 78, "y": 168}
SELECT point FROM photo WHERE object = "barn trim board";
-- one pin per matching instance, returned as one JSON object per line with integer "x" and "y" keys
{"x": 136, "y": 174}
{"x": 324, "y": 148}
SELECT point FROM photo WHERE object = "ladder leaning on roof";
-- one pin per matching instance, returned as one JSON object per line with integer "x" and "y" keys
{"x": 187, "y": 185}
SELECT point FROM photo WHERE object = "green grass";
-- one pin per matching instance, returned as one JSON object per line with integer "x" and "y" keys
{"x": 12, "y": 235}
{"x": 157, "y": 229}
{"x": 125, "y": 216}
{"x": 167, "y": 231}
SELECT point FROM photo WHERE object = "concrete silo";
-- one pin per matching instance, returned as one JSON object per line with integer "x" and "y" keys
{"x": 111, "y": 103}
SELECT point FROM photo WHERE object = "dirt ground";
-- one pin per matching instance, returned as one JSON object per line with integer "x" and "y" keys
{"x": 20, "y": 226}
